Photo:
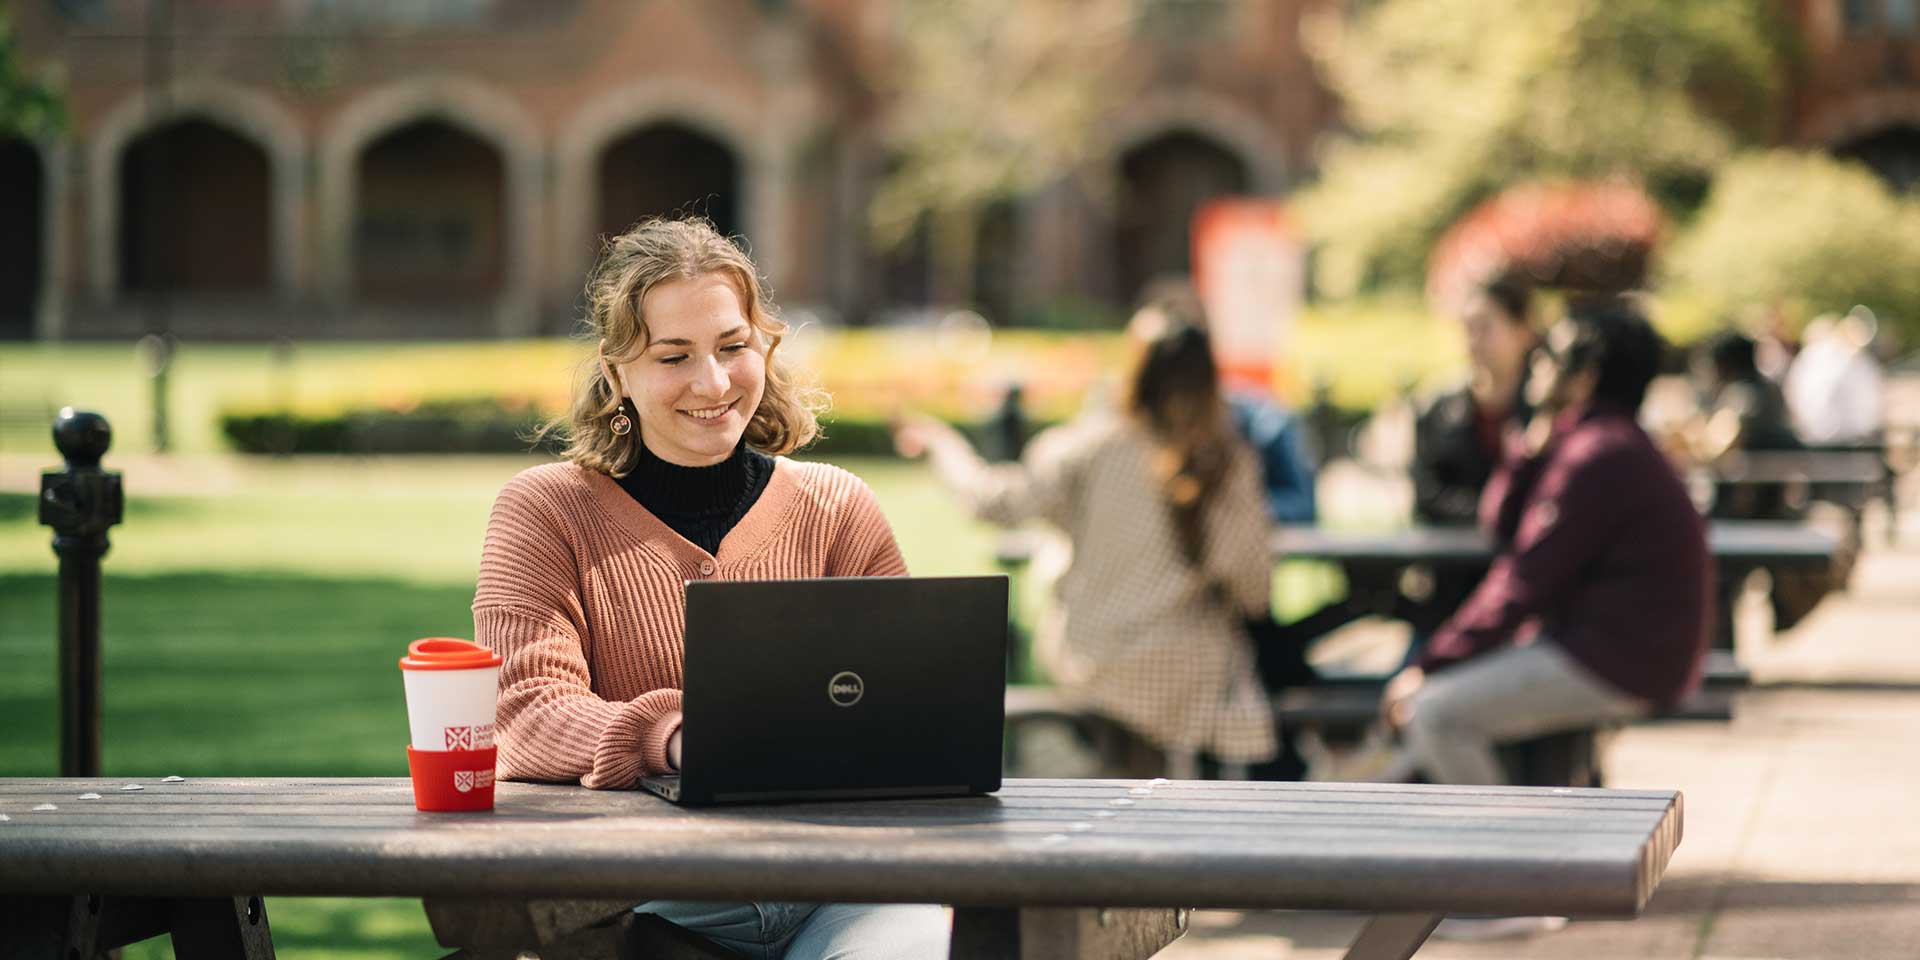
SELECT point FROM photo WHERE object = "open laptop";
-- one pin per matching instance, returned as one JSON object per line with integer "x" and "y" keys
{"x": 840, "y": 689}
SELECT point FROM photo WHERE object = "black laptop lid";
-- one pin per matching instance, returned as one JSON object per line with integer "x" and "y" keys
{"x": 868, "y": 686}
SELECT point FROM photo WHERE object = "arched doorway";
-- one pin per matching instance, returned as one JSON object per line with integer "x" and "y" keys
{"x": 1893, "y": 153}
{"x": 21, "y": 186}
{"x": 1163, "y": 181}
{"x": 911, "y": 274}
{"x": 667, "y": 169}
{"x": 428, "y": 225}
{"x": 195, "y": 212}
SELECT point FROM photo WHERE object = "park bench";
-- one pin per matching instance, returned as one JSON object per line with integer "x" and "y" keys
{"x": 1342, "y": 706}
{"x": 1376, "y": 560}
{"x": 1065, "y": 869}
{"x": 1847, "y": 476}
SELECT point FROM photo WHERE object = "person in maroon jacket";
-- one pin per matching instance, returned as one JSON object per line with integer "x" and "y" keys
{"x": 1598, "y": 603}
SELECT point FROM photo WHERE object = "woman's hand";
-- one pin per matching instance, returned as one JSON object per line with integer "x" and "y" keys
{"x": 1396, "y": 703}
{"x": 916, "y": 435}
{"x": 673, "y": 750}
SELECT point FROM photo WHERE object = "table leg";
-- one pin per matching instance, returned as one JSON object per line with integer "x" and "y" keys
{"x": 230, "y": 928}
{"x": 1727, "y": 592}
{"x": 1392, "y": 936}
{"x": 1069, "y": 933}
{"x": 89, "y": 925}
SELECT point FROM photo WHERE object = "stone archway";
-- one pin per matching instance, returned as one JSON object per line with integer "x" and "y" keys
{"x": 195, "y": 212}
{"x": 1878, "y": 128}
{"x": 1245, "y": 134}
{"x": 251, "y": 115}
{"x": 472, "y": 111}
{"x": 1162, "y": 183}
{"x": 666, "y": 169}
{"x": 1893, "y": 152}
{"x": 738, "y": 126}
{"x": 428, "y": 217}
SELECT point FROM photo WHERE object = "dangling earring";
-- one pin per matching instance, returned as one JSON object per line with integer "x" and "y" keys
{"x": 620, "y": 425}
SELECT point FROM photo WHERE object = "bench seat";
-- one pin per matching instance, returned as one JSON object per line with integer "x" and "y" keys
{"x": 1343, "y": 705}
{"x": 1353, "y": 699}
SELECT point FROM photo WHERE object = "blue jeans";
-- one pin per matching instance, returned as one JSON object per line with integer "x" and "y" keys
{"x": 809, "y": 931}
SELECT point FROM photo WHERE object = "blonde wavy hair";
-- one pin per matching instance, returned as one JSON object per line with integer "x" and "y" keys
{"x": 655, "y": 251}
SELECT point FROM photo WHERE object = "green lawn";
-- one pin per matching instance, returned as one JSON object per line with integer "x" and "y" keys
{"x": 252, "y": 629}
{"x": 255, "y": 632}
{"x": 219, "y": 612}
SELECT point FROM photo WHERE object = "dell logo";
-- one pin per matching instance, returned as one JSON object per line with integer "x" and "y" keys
{"x": 846, "y": 688}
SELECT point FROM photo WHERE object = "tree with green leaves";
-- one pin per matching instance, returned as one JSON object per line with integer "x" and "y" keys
{"x": 1804, "y": 228}
{"x": 1447, "y": 102}
{"x": 29, "y": 106}
{"x": 990, "y": 99}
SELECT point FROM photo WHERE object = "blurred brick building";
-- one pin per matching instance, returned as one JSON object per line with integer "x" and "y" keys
{"x": 335, "y": 168}
{"x": 1859, "y": 95}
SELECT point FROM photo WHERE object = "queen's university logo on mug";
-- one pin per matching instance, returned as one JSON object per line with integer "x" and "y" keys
{"x": 463, "y": 780}
{"x": 477, "y": 736}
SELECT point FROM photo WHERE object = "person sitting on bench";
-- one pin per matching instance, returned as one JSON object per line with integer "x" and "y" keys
{"x": 1459, "y": 436}
{"x": 1597, "y": 606}
{"x": 1161, "y": 502}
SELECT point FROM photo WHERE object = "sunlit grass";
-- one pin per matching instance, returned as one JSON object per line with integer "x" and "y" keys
{"x": 252, "y": 628}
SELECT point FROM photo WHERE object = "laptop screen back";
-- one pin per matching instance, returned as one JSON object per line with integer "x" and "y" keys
{"x": 883, "y": 686}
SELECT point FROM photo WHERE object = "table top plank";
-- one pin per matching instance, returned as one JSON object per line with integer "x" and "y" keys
{"x": 1827, "y": 467}
{"x": 1732, "y": 542}
{"x": 1066, "y": 843}
{"x": 1736, "y": 541}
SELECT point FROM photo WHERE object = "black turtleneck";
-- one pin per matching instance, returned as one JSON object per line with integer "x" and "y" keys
{"x": 699, "y": 503}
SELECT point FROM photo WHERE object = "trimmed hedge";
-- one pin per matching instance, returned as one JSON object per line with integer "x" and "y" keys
{"x": 464, "y": 426}
{"x": 475, "y": 426}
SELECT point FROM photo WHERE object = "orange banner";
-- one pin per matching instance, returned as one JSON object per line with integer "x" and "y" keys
{"x": 1249, "y": 267}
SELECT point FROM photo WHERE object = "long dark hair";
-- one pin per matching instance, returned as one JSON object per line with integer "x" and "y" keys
{"x": 1176, "y": 395}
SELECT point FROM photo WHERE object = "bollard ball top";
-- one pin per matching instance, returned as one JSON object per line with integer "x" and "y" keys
{"x": 82, "y": 436}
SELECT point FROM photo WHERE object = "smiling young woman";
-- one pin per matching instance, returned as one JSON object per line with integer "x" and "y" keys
{"x": 675, "y": 471}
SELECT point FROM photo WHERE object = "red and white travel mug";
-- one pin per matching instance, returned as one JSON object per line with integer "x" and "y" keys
{"x": 452, "y": 686}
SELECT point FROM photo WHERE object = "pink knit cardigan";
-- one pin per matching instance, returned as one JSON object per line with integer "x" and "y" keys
{"x": 581, "y": 592}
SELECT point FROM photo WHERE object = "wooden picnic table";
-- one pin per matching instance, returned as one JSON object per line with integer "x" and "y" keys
{"x": 1847, "y": 477}
{"x": 1746, "y": 544}
{"x": 1379, "y": 557}
{"x": 1733, "y": 543}
{"x": 1054, "y": 868}
{"x": 1842, "y": 468}
{"x": 1739, "y": 547}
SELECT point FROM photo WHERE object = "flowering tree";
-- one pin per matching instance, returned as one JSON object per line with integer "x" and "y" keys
{"x": 1790, "y": 227}
{"x": 1575, "y": 235}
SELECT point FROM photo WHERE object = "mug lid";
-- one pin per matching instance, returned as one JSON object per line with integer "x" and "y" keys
{"x": 447, "y": 653}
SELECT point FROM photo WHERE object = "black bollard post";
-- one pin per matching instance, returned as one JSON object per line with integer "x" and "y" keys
{"x": 156, "y": 353}
{"x": 80, "y": 502}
